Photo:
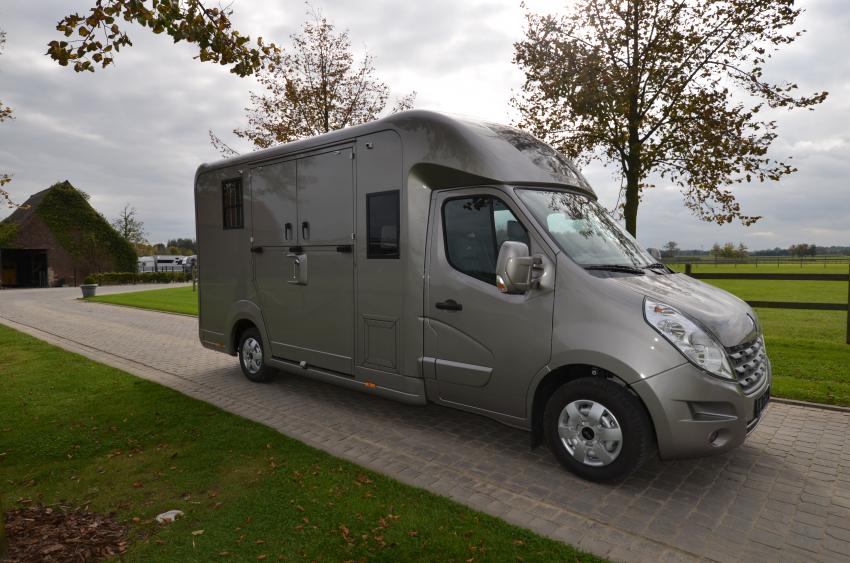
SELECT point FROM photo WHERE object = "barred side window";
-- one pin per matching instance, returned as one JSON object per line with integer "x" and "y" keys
{"x": 231, "y": 204}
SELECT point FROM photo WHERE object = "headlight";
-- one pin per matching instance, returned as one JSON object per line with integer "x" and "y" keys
{"x": 688, "y": 338}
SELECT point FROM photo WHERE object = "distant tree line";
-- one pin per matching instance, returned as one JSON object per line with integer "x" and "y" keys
{"x": 731, "y": 250}
{"x": 180, "y": 247}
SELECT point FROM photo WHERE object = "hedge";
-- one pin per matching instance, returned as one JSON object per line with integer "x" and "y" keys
{"x": 124, "y": 278}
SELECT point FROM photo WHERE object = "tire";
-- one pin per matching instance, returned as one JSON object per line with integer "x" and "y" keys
{"x": 597, "y": 429}
{"x": 252, "y": 357}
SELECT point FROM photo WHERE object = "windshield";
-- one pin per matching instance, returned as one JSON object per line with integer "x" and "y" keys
{"x": 584, "y": 229}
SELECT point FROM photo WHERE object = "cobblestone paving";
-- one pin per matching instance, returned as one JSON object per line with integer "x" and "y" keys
{"x": 782, "y": 496}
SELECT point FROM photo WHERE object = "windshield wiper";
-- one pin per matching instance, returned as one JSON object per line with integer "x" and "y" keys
{"x": 659, "y": 266}
{"x": 616, "y": 268}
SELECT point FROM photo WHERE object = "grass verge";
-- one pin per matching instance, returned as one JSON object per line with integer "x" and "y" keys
{"x": 80, "y": 432}
{"x": 171, "y": 300}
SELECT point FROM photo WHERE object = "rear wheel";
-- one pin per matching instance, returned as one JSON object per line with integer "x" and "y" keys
{"x": 597, "y": 429}
{"x": 252, "y": 357}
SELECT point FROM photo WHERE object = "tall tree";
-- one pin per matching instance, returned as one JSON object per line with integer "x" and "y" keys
{"x": 129, "y": 226}
{"x": 94, "y": 38}
{"x": 5, "y": 113}
{"x": 672, "y": 87}
{"x": 316, "y": 86}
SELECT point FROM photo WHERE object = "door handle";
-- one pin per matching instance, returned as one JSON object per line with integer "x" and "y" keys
{"x": 287, "y": 231}
{"x": 305, "y": 230}
{"x": 300, "y": 274}
{"x": 257, "y": 249}
{"x": 449, "y": 305}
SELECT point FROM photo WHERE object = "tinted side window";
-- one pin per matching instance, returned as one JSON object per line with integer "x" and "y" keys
{"x": 475, "y": 228}
{"x": 382, "y": 224}
{"x": 231, "y": 203}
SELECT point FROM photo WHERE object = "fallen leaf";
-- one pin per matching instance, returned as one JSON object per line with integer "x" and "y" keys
{"x": 197, "y": 532}
{"x": 137, "y": 485}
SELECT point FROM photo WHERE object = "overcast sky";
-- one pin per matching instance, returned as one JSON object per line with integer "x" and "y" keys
{"x": 135, "y": 133}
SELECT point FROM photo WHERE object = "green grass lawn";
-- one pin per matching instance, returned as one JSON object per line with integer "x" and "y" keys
{"x": 172, "y": 300}
{"x": 79, "y": 432}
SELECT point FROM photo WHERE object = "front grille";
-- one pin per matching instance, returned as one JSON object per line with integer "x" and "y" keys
{"x": 749, "y": 361}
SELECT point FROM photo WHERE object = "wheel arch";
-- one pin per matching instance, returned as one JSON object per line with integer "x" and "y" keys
{"x": 243, "y": 315}
{"x": 554, "y": 379}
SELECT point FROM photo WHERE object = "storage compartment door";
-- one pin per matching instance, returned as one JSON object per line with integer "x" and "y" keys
{"x": 326, "y": 198}
{"x": 319, "y": 276}
{"x": 274, "y": 230}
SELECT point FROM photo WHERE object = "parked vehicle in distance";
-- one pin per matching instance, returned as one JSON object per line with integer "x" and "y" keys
{"x": 163, "y": 263}
{"x": 427, "y": 258}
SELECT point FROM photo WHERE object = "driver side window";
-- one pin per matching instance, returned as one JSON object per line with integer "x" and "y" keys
{"x": 475, "y": 228}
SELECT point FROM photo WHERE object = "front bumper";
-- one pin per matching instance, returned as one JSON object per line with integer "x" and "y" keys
{"x": 695, "y": 414}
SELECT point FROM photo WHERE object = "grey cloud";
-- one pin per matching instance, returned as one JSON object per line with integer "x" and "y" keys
{"x": 136, "y": 133}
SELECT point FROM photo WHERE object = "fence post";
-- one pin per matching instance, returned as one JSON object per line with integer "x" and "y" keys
{"x": 848, "y": 304}
{"x": 688, "y": 269}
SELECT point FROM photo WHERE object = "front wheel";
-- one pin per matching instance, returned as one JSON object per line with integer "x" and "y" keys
{"x": 252, "y": 357}
{"x": 597, "y": 429}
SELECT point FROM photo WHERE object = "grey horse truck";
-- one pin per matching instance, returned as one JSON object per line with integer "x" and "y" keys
{"x": 426, "y": 258}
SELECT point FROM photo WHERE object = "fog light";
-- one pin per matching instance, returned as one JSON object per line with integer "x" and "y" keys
{"x": 719, "y": 438}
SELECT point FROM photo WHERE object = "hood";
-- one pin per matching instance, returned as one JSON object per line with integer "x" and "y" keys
{"x": 730, "y": 319}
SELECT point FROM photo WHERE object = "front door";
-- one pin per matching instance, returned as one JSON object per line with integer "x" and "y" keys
{"x": 305, "y": 270}
{"x": 486, "y": 345}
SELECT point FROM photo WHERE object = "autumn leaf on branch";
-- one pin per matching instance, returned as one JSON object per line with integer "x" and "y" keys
{"x": 93, "y": 39}
{"x": 5, "y": 114}
{"x": 663, "y": 86}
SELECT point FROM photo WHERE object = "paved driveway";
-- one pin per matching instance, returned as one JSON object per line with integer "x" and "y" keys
{"x": 784, "y": 495}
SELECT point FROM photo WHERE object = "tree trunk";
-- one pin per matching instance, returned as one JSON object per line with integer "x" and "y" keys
{"x": 634, "y": 170}
{"x": 630, "y": 208}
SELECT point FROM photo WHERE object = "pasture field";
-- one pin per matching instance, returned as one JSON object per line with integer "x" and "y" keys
{"x": 77, "y": 432}
{"x": 767, "y": 268}
{"x": 782, "y": 290}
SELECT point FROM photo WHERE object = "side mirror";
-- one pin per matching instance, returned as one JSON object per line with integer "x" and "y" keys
{"x": 515, "y": 268}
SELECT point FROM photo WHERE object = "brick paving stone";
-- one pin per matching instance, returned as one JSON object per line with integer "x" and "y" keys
{"x": 784, "y": 495}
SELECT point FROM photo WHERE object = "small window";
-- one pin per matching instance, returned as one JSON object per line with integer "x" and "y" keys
{"x": 475, "y": 228}
{"x": 231, "y": 198}
{"x": 382, "y": 224}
